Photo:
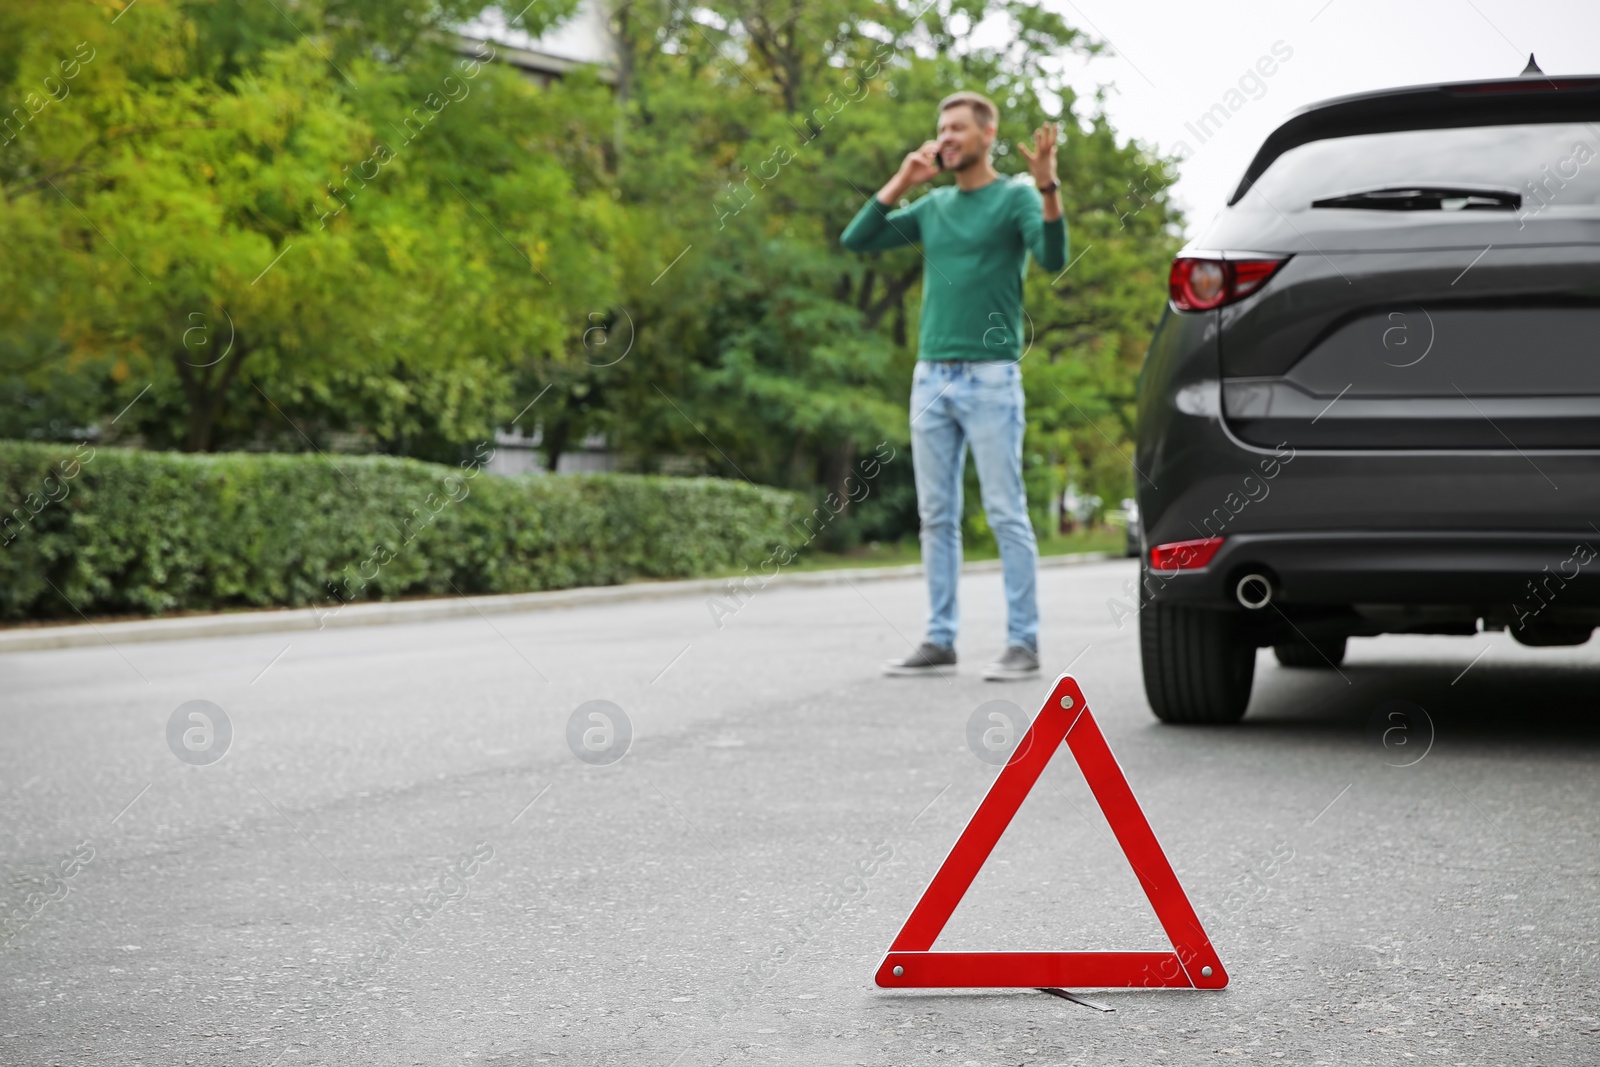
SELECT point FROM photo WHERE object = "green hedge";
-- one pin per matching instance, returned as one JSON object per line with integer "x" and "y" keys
{"x": 120, "y": 531}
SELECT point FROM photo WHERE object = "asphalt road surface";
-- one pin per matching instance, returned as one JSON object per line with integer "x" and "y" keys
{"x": 402, "y": 859}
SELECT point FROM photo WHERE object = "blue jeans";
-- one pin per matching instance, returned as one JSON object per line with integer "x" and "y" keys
{"x": 954, "y": 404}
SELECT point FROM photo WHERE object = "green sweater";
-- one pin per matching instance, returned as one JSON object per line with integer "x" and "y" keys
{"x": 975, "y": 246}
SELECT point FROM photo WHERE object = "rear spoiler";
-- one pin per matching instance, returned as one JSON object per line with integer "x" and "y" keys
{"x": 1501, "y": 102}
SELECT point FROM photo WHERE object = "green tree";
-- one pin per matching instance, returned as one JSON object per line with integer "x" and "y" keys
{"x": 280, "y": 233}
{"x": 278, "y": 226}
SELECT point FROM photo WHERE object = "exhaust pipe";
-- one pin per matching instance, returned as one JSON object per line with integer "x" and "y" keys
{"x": 1254, "y": 591}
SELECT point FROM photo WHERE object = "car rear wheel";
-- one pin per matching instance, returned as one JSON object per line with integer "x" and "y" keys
{"x": 1198, "y": 667}
{"x": 1322, "y": 655}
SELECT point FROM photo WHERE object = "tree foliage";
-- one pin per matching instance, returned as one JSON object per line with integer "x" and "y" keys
{"x": 316, "y": 224}
{"x": 269, "y": 231}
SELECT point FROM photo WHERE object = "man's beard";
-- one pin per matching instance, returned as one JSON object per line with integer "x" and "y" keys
{"x": 969, "y": 160}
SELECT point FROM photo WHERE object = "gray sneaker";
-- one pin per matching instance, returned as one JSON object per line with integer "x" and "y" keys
{"x": 927, "y": 659}
{"x": 1017, "y": 665}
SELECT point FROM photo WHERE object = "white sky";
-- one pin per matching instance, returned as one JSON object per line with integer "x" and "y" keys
{"x": 1175, "y": 58}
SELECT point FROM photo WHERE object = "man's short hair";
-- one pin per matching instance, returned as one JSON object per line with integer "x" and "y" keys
{"x": 983, "y": 108}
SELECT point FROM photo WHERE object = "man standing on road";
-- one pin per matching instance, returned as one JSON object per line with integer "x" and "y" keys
{"x": 967, "y": 389}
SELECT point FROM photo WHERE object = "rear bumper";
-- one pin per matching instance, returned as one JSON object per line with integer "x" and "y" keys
{"x": 1370, "y": 541}
{"x": 1494, "y": 573}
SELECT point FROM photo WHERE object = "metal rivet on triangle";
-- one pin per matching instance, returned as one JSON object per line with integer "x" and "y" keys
{"x": 898, "y": 971}
{"x": 1205, "y": 972}
{"x": 1066, "y": 702}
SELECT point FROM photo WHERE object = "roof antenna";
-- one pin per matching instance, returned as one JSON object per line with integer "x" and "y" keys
{"x": 1532, "y": 68}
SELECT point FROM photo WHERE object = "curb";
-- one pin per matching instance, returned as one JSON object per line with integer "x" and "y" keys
{"x": 382, "y": 613}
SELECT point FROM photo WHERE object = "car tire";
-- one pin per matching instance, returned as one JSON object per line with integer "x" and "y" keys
{"x": 1198, "y": 667}
{"x": 1318, "y": 655}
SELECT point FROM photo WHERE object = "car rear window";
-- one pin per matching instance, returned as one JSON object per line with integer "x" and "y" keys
{"x": 1556, "y": 164}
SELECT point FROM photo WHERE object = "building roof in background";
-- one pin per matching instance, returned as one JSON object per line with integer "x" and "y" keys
{"x": 582, "y": 40}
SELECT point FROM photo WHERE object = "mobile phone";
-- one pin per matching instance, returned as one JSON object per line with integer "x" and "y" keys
{"x": 938, "y": 159}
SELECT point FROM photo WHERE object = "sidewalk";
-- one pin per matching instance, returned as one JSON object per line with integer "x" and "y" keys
{"x": 380, "y": 613}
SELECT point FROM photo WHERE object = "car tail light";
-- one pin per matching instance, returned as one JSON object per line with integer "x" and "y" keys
{"x": 1200, "y": 283}
{"x": 1184, "y": 555}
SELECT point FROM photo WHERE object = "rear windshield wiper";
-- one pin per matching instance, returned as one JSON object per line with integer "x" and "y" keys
{"x": 1427, "y": 198}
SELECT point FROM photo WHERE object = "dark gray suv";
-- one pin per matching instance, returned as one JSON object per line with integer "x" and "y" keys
{"x": 1373, "y": 403}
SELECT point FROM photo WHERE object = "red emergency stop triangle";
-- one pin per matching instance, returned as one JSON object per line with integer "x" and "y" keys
{"x": 1192, "y": 963}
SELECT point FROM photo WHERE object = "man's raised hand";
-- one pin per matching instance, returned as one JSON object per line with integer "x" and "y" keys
{"x": 1042, "y": 160}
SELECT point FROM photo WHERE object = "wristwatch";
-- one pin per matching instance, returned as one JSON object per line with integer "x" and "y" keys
{"x": 1052, "y": 187}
